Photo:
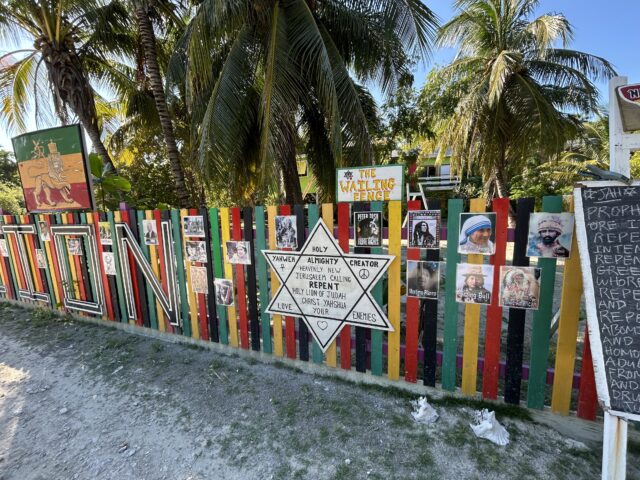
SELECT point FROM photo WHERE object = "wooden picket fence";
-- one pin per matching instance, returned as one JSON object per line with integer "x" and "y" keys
{"x": 493, "y": 368}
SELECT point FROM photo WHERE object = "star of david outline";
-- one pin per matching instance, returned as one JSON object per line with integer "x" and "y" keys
{"x": 321, "y": 229}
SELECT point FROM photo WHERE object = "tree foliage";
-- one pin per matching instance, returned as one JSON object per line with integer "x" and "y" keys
{"x": 519, "y": 92}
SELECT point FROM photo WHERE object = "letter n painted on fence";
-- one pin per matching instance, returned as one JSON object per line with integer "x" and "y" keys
{"x": 168, "y": 300}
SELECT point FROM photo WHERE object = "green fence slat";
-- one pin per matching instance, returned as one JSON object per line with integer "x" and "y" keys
{"x": 539, "y": 356}
{"x": 124, "y": 316}
{"x": 313, "y": 215}
{"x": 182, "y": 282}
{"x": 263, "y": 280}
{"x": 450, "y": 342}
{"x": 151, "y": 297}
{"x": 377, "y": 336}
{"x": 11, "y": 272}
{"x": 216, "y": 250}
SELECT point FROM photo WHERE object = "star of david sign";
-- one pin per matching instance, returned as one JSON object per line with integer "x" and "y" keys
{"x": 326, "y": 287}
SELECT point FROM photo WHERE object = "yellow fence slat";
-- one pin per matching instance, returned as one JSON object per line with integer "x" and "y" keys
{"x": 471, "y": 323}
{"x": 395, "y": 249}
{"x": 193, "y": 302}
{"x": 153, "y": 259}
{"x": 331, "y": 355}
{"x": 276, "y": 320}
{"x": 567, "y": 331}
{"x": 228, "y": 274}
{"x": 72, "y": 264}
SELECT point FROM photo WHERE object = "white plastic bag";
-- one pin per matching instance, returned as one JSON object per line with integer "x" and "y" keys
{"x": 423, "y": 412}
{"x": 489, "y": 428}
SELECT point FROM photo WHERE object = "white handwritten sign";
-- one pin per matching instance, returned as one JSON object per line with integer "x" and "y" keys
{"x": 370, "y": 184}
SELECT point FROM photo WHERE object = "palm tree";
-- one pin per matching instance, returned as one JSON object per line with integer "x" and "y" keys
{"x": 145, "y": 12}
{"x": 521, "y": 94}
{"x": 72, "y": 40}
{"x": 261, "y": 73}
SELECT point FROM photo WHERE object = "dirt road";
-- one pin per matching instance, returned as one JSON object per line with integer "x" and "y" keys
{"x": 81, "y": 401}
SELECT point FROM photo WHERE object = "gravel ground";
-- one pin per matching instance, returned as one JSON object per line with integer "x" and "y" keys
{"x": 81, "y": 401}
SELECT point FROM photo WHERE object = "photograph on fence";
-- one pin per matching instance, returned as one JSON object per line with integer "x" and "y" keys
{"x": 423, "y": 279}
{"x": 75, "y": 246}
{"x": 4, "y": 251}
{"x": 41, "y": 260}
{"x": 286, "y": 232}
{"x": 368, "y": 229}
{"x": 150, "y": 229}
{"x": 550, "y": 235}
{"x": 519, "y": 287}
{"x": 477, "y": 233}
{"x": 193, "y": 226}
{"x": 474, "y": 283}
{"x": 45, "y": 234}
{"x": 109, "y": 263}
{"x": 53, "y": 169}
{"x": 199, "y": 280}
{"x": 104, "y": 229}
{"x": 196, "y": 251}
{"x": 224, "y": 292}
{"x": 238, "y": 253}
{"x": 423, "y": 229}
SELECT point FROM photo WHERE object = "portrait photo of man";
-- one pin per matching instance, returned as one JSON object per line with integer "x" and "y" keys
{"x": 45, "y": 234}
{"x": 104, "y": 229}
{"x": 368, "y": 229}
{"x": 224, "y": 292}
{"x": 150, "y": 228}
{"x": 550, "y": 235}
{"x": 286, "y": 232}
{"x": 477, "y": 233}
{"x": 519, "y": 287}
{"x": 423, "y": 229}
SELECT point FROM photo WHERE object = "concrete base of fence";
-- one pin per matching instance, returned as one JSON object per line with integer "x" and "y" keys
{"x": 586, "y": 431}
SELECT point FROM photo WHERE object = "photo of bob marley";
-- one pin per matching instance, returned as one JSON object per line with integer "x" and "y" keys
{"x": 368, "y": 229}
{"x": 550, "y": 235}
{"x": 424, "y": 229}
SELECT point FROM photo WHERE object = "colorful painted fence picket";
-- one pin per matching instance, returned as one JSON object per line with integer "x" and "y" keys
{"x": 156, "y": 269}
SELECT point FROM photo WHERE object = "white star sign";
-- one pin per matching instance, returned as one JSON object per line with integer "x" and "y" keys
{"x": 328, "y": 288}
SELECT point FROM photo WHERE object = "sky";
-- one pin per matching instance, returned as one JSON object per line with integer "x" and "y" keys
{"x": 607, "y": 28}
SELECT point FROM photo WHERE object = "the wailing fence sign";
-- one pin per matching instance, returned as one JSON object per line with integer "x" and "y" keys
{"x": 370, "y": 184}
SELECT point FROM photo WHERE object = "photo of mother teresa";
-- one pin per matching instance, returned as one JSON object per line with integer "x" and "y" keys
{"x": 476, "y": 233}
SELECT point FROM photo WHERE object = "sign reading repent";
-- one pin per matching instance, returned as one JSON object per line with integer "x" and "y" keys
{"x": 370, "y": 184}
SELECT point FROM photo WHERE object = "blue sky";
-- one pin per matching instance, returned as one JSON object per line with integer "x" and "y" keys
{"x": 605, "y": 28}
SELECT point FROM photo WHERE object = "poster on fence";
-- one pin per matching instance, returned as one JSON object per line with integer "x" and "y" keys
{"x": 550, "y": 235}
{"x": 520, "y": 287}
{"x": 238, "y": 253}
{"x": 474, "y": 283}
{"x": 53, "y": 170}
{"x": 423, "y": 229}
{"x": 368, "y": 229}
{"x": 370, "y": 184}
{"x": 477, "y": 233}
{"x": 45, "y": 234}
{"x": 423, "y": 279}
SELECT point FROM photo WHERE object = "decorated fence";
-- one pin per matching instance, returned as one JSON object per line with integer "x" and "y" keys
{"x": 175, "y": 272}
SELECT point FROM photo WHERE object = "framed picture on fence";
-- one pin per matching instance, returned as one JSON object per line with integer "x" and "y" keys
{"x": 238, "y": 253}
{"x": 193, "y": 226}
{"x": 550, "y": 235}
{"x": 423, "y": 229}
{"x": 477, "y": 233}
{"x": 368, "y": 229}
{"x": 286, "y": 232}
{"x": 519, "y": 287}
{"x": 423, "y": 279}
{"x": 224, "y": 292}
{"x": 474, "y": 283}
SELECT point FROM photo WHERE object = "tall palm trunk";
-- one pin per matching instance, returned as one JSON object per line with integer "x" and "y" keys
{"x": 72, "y": 88}
{"x": 153, "y": 70}
{"x": 289, "y": 168}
